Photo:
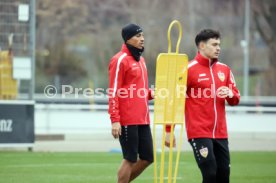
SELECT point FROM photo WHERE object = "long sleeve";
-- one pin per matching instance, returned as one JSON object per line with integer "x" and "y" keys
{"x": 168, "y": 128}
{"x": 116, "y": 75}
{"x": 236, "y": 94}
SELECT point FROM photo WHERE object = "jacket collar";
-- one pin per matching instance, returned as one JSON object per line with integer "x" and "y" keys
{"x": 203, "y": 60}
{"x": 125, "y": 50}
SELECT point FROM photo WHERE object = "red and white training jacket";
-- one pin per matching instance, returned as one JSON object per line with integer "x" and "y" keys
{"x": 128, "y": 89}
{"x": 204, "y": 110}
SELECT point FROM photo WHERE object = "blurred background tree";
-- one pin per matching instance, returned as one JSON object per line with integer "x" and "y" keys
{"x": 264, "y": 16}
{"x": 90, "y": 31}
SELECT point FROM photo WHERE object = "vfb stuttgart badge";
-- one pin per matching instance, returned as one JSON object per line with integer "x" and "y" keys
{"x": 204, "y": 152}
{"x": 221, "y": 76}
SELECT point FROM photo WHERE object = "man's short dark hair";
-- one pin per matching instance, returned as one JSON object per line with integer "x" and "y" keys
{"x": 205, "y": 35}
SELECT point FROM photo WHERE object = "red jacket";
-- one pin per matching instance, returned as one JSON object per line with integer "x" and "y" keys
{"x": 128, "y": 89}
{"x": 204, "y": 110}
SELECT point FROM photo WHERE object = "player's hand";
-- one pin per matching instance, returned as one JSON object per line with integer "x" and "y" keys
{"x": 116, "y": 129}
{"x": 167, "y": 140}
{"x": 224, "y": 92}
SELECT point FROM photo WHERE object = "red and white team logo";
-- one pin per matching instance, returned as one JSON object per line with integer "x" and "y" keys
{"x": 221, "y": 76}
{"x": 204, "y": 152}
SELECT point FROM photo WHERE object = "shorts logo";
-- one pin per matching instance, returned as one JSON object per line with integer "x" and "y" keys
{"x": 204, "y": 152}
{"x": 221, "y": 76}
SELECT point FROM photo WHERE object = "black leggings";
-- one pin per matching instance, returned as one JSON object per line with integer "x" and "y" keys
{"x": 213, "y": 159}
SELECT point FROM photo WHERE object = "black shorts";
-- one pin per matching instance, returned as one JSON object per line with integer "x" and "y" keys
{"x": 207, "y": 149}
{"x": 136, "y": 140}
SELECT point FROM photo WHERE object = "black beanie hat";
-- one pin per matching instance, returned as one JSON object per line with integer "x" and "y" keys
{"x": 130, "y": 30}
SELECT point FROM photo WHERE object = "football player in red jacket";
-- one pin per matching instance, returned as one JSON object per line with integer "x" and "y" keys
{"x": 210, "y": 83}
{"x": 128, "y": 104}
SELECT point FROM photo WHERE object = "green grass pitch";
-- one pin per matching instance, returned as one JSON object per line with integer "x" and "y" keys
{"x": 28, "y": 167}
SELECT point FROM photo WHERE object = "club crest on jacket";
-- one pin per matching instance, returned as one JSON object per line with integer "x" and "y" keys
{"x": 221, "y": 76}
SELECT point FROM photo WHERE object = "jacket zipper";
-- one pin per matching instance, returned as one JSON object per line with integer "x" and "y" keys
{"x": 144, "y": 91}
{"x": 214, "y": 92}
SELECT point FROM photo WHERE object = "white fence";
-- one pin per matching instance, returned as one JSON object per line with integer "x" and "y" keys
{"x": 94, "y": 119}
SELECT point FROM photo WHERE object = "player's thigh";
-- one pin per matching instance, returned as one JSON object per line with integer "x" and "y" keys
{"x": 203, "y": 150}
{"x": 129, "y": 141}
{"x": 221, "y": 151}
{"x": 145, "y": 149}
